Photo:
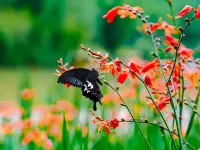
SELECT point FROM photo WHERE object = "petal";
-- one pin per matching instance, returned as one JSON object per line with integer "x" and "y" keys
{"x": 118, "y": 64}
{"x": 168, "y": 49}
{"x": 111, "y": 14}
{"x": 185, "y": 11}
{"x": 147, "y": 81}
{"x": 123, "y": 76}
{"x": 198, "y": 12}
{"x": 134, "y": 67}
{"x": 149, "y": 66}
{"x": 171, "y": 40}
{"x": 155, "y": 26}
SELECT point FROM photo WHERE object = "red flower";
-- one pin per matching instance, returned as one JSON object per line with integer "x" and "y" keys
{"x": 114, "y": 123}
{"x": 147, "y": 80}
{"x": 111, "y": 14}
{"x": 198, "y": 12}
{"x": 123, "y": 76}
{"x": 117, "y": 62}
{"x": 135, "y": 67}
{"x": 168, "y": 49}
{"x": 155, "y": 26}
{"x": 171, "y": 40}
{"x": 150, "y": 65}
{"x": 185, "y": 11}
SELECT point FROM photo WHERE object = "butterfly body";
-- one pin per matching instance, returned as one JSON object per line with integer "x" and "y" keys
{"x": 86, "y": 80}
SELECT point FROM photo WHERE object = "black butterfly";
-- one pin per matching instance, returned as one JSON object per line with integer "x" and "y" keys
{"x": 86, "y": 80}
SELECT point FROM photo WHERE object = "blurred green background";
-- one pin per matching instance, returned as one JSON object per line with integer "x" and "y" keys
{"x": 36, "y": 33}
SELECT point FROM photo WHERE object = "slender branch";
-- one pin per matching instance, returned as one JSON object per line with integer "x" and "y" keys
{"x": 193, "y": 114}
{"x": 165, "y": 78}
{"x": 179, "y": 44}
{"x": 124, "y": 104}
{"x": 160, "y": 126}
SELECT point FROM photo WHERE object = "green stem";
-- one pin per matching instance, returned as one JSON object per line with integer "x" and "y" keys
{"x": 179, "y": 44}
{"x": 182, "y": 97}
{"x": 193, "y": 115}
{"x": 124, "y": 104}
{"x": 165, "y": 78}
{"x": 160, "y": 126}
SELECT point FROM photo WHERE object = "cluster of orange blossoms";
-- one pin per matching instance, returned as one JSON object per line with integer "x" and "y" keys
{"x": 45, "y": 122}
{"x": 105, "y": 124}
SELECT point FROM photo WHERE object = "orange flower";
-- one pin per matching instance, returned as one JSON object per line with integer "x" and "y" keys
{"x": 161, "y": 103}
{"x": 198, "y": 12}
{"x": 123, "y": 75}
{"x": 150, "y": 65}
{"x": 105, "y": 124}
{"x": 155, "y": 26}
{"x": 185, "y": 11}
{"x": 103, "y": 60}
{"x": 171, "y": 40}
{"x": 168, "y": 29}
{"x": 112, "y": 68}
{"x": 27, "y": 94}
{"x": 111, "y": 14}
{"x": 129, "y": 11}
{"x": 185, "y": 52}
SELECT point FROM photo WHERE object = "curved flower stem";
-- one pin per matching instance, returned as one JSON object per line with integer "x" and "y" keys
{"x": 124, "y": 104}
{"x": 165, "y": 78}
{"x": 160, "y": 126}
{"x": 150, "y": 95}
{"x": 193, "y": 114}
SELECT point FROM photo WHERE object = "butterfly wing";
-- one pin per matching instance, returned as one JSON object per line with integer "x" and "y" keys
{"x": 75, "y": 77}
{"x": 91, "y": 90}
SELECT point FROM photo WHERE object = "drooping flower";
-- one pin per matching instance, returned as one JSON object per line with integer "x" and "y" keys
{"x": 111, "y": 14}
{"x": 150, "y": 65}
{"x": 123, "y": 75}
{"x": 135, "y": 67}
{"x": 118, "y": 64}
{"x": 171, "y": 40}
{"x": 185, "y": 11}
{"x": 197, "y": 15}
{"x": 147, "y": 81}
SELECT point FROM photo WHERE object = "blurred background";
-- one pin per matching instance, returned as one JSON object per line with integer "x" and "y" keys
{"x": 34, "y": 34}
